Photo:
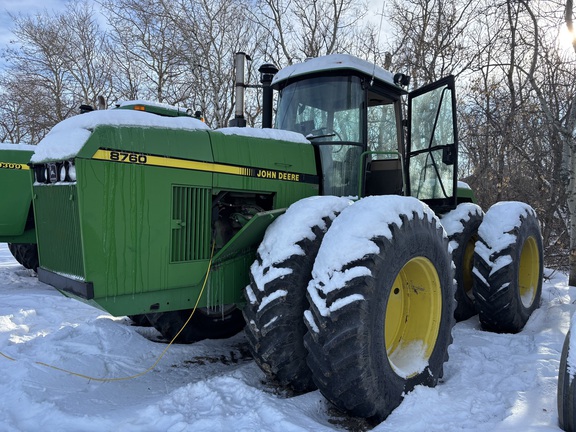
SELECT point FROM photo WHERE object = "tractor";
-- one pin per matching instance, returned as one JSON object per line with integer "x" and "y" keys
{"x": 340, "y": 240}
{"x": 16, "y": 212}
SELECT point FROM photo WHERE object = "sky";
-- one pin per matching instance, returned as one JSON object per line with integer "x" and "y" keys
{"x": 8, "y": 7}
{"x": 15, "y": 7}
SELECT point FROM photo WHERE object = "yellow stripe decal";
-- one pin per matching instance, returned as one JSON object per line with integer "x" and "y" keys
{"x": 14, "y": 166}
{"x": 145, "y": 159}
{"x": 141, "y": 159}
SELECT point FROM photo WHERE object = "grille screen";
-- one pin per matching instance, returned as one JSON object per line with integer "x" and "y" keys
{"x": 58, "y": 229}
{"x": 190, "y": 224}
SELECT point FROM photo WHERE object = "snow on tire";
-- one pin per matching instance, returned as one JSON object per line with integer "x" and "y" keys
{"x": 508, "y": 265}
{"x": 381, "y": 305}
{"x": 566, "y": 397}
{"x": 276, "y": 296}
{"x": 461, "y": 225}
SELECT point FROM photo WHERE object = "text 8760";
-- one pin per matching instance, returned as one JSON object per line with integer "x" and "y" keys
{"x": 128, "y": 157}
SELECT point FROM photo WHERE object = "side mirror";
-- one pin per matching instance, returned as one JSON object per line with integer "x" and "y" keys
{"x": 449, "y": 155}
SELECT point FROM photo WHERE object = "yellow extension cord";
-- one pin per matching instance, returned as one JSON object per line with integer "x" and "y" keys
{"x": 90, "y": 378}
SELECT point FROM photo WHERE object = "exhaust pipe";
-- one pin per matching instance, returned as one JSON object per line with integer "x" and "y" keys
{"x": 239, "y": 120}
{"x": 267, "y": 72}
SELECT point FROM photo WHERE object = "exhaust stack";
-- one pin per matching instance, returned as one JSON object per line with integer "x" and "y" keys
{"x": 239, "y": 61}
{"x": 267, "y": 72}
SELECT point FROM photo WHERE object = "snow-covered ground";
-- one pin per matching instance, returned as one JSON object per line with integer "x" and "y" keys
{"x": 492, "y": 382}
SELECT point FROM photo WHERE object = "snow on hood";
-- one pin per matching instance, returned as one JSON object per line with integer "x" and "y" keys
{"x": 277, "y": 134}
{"x": 150, "y": 103}
{"x": 18, "y": 147}
{"x": 66, "y": 139}
{"x": 463, "y": 185}
{"x": 331, "y": 62}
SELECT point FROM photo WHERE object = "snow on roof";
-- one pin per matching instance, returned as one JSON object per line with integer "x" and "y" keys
{"x": 332, "y": 62}
{"x": 276, "y": 134}
{"x": 66, "y": 139}
{"x": 19, "y": 147}
{"x": 150, "y": 103}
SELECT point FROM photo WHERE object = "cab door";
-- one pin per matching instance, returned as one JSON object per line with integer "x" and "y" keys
{"x": 432, "y": 145}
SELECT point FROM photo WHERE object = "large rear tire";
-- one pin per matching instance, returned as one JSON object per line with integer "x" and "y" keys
{"x": 26, "y": 254}
{"x": 380, "y": 324}
{"x": 276, "y": 296}
{"x": 204, "y": 324}
{"x": 508, "y": 266}
{"x": 566, "y": 397}
{"x": 461, "y": 225}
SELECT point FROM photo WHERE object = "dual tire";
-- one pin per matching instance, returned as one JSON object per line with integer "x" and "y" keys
{"x": 387, "y": 328}
{"x": 508, "y": 267}
{"x": 378, "y": 319}
{"x": 379, "y": 323}
{"x": 26, "y": 254}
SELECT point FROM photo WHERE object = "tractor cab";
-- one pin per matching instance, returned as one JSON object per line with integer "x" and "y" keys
{"x": 351, "y": 111}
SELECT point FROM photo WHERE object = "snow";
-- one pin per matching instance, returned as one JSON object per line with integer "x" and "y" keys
{"x": 282, "y": 236}
{"x": 350, "y": 239}
{"x": 275, "y": 134}
{"x": 18, "y": 147}
{"x": 496, "y": 231}
{"x": 571, "y": 359}
{"x": 453, "y": 221}
{"x": 492, "y": 382}
{"x": 151, "y": 103}
{"x": 334, "y": 61}
{"x": 66, "y": 139}
{"x": 495, "y": 382}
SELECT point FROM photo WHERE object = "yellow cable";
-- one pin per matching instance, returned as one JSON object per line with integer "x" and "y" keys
{"x": 88, "y": 377}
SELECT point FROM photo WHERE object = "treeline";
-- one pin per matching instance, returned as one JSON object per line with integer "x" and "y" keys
{"x": 516, "y": 77}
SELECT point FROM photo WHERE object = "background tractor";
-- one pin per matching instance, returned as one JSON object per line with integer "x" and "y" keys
{"x": 334, "y": 238}
{"x": 16, "y": 212}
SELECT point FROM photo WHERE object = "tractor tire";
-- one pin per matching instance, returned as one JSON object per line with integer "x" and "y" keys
{"x": 380, "y": 323}
{"x": 461, "y": 225}
{"x": 508, "y": 266}
{"x": 566, "y": 397}
{"x": 202, "y": 325}
{"x": 276, "y": 296}
{"x": 140, "y": 320}
{"x": 26, "y": 254}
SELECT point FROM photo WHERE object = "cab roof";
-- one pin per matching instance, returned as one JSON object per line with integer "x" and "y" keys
{"x": 335, "y": 62}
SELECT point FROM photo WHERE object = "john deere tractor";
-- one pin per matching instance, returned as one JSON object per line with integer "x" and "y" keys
{"x": 340, "y": 239}
{"x": 16, "y": 213}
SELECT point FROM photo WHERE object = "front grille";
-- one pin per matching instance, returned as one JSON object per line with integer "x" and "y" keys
{"x": 58, "y": 229}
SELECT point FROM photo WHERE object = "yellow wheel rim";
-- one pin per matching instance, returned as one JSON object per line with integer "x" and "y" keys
{"x": 413, "y": 317}
{"x": 467, "y": 265}
{"x": 529, "y": 271}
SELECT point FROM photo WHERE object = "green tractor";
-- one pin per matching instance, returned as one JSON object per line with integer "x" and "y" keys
{"x": 340, "y": 239}
{"x": 17, "y": 226}
{"x": 16, "y": 212}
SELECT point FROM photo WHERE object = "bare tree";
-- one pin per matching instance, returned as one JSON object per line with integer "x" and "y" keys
{"x": 211, "y": 32}
{"x": 433, "y": 38}
{"x": 298, "y": 29}
{"x": 148, "y": 47}
{"x": 88, "y": 53}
